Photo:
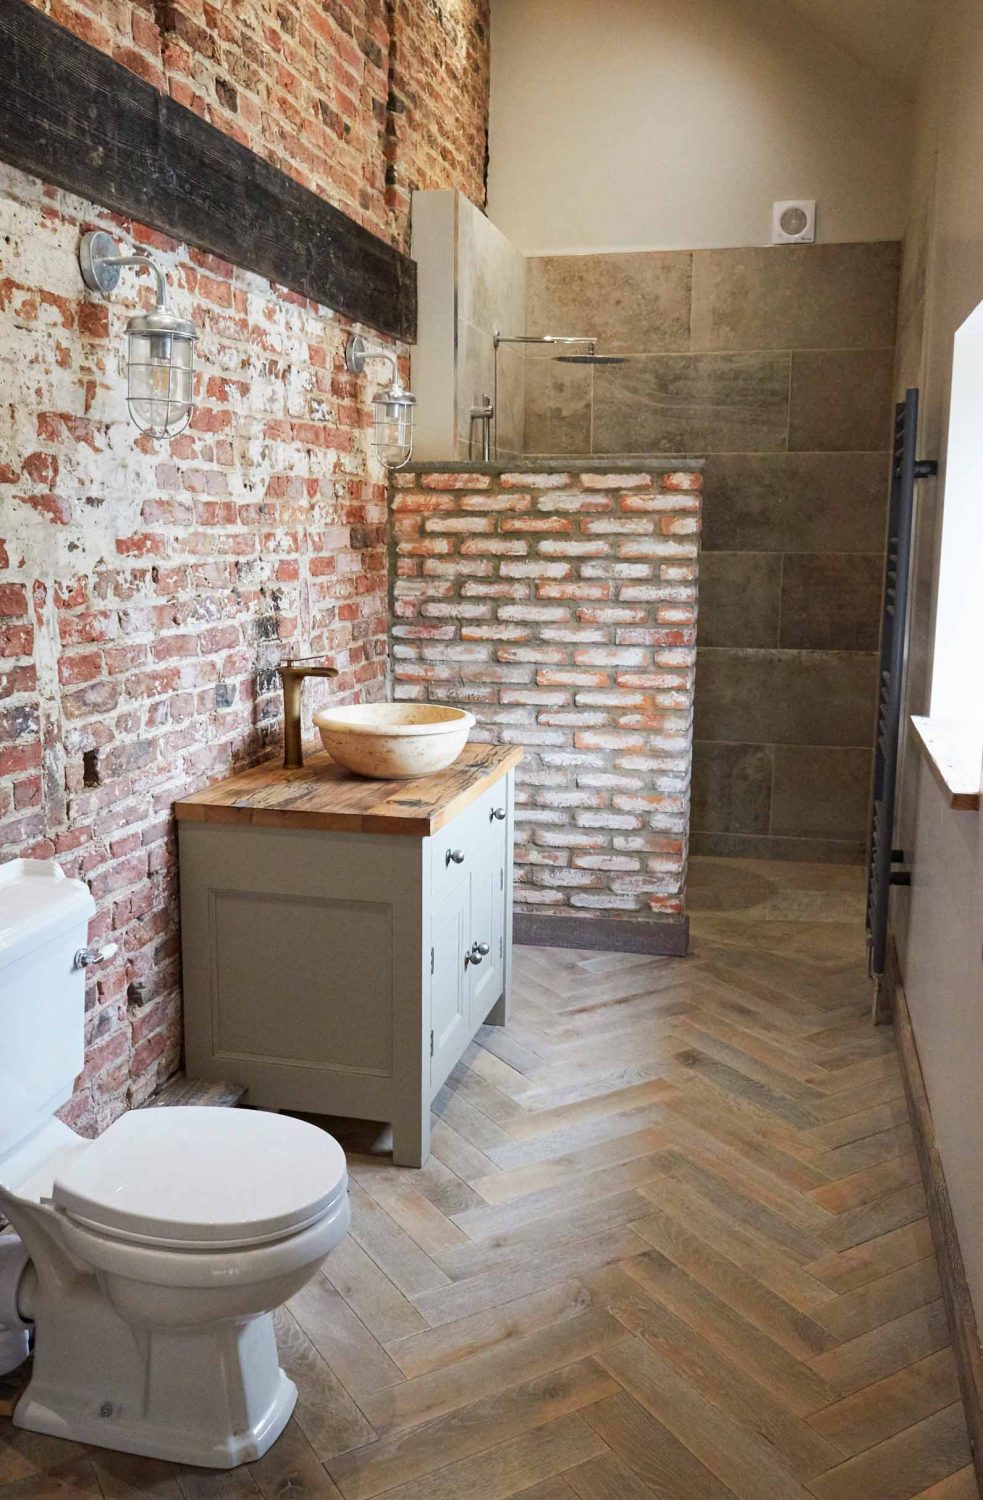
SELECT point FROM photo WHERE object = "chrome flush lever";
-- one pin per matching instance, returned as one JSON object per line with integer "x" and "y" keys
{"x": 86, "y": 957}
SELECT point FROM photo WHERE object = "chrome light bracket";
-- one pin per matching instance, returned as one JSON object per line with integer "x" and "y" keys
{"x": 100, "y": 265}
{"x": 97, "y": 257}
{"x": 355, "y": 355}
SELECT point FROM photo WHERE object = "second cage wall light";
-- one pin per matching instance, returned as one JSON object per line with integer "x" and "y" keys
{"x": 393, "y": 406}
{"x": 160, "y": 346}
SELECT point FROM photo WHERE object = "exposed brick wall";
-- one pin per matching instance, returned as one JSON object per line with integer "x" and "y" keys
{"x": 360, "y": 100}
{"x": 560, "y": 608}
{"x": 147, "y": 592}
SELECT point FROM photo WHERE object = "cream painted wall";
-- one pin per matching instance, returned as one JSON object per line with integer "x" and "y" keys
{"x": 939, "y": 924}
{"x": 675, "y": 124}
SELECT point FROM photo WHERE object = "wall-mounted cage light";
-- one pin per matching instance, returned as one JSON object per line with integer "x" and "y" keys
{"x": 160, "y": 346}
{"x": 393, "y": 407}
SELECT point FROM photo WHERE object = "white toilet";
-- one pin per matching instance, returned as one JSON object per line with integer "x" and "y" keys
{"x": 148, "y": 1261}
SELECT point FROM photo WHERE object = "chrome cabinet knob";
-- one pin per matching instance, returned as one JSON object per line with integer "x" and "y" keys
{"x": 86, "y": 957}
{"x": 454, "y": 857}
{"x": 497, "y": 815}
{"x": 483, "y": 949}
{"x": 476, "y": 953}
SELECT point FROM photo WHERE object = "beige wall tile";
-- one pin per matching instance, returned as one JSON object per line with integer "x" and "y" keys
{"x": 796, "y": 297}
{"x": 700, "y": 403}
{"x": 831, "y": 601}
{"x": 785, "y": 697}
{"x": 731, "y": 788}
{"x": 558, "y": 407}
{"x": 841, "y": 401}
{"x": 795, "y": 502}
{"x": 820, "y": 792}
{"x": 740, "y": 596}
{"x": 632, "y": 303}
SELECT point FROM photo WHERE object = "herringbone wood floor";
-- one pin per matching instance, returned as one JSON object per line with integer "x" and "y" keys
{"x": 671, "y": 1243}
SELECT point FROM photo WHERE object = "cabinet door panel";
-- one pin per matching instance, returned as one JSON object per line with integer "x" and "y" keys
{"x": 487, "y": 924}
{"x": 450, "y": 1017}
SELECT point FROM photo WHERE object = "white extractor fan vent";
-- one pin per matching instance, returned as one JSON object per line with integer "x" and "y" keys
{"x": 793, "y": 222}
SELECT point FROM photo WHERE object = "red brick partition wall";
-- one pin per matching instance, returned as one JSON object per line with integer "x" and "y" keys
{"x": 560, "y": 608}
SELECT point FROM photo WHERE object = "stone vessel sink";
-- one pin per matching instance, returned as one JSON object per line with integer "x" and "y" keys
{"x": 392, "y": 741}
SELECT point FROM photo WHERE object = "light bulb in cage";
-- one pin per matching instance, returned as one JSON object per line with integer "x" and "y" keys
{"x": 160, "y": 346}
{"x": 393, "y": 407}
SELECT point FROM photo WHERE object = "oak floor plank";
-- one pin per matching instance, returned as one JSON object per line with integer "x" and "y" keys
{"x": 870, "y": 1220}
{"x": 75, "y": 1478}
{"x": 890, "y": 1347}
{"x": 959, "y": 1486}
{"x": 802, "y": 1448}
{"x": 846, "y": 1270}
{"x": 395, "y": 1252}
{"x": 125, "y": 1476}
{"x": 882, "y": 1301}
{"x": 576, "y": 1138}
{"x": 902, "y": 1465}
{"x": 436, "y": 1347}
{"x": 607, "y": 1478}
{"x": 381, "y": 1306}
{"x": 585, "y": 1187}
{"x": 869, "y": 1151}
{"x": 796, "y": 1332}
{"x": 621, "y": 1101}
{"x": 742, "y": 1461}
{"x": 292, "y": 1468}
{"x": 850, "y": 1129}
{"x": 342, "y": 1339}
{"x": 791, "y": 1380}
{"x": 460, "y": 1157}
{"x": 517, "y": 1249}
{"x": 861, "y": 1189}
{"x": 570, "y": 1166}
{"x": 511, "y": 1467}
{"x": 723, "y": 1195}
{"x": 878, "y": 1411}
{"x": 416, "y": 1452}
{"x": 433, "y": 1395}
{"x": 760, "y": 1257}
{"x": 663, "y": 1464}
{"x": 570, "y": 1259}
{"x": 326, "y": 1414}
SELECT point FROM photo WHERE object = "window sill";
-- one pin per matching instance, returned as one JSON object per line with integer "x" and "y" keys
{"x": 954, "y": 751}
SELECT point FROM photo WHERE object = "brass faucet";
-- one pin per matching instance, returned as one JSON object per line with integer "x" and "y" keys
{"x": 292, "y": 674}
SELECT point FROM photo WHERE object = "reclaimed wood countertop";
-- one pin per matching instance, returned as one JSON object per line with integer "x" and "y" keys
{"x": 322, "y": 794}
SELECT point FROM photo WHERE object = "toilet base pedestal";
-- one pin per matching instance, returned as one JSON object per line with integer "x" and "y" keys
{"x": 213, "y": 1397}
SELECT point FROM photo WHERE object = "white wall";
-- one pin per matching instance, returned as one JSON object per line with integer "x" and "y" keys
{"x": 940, "y": 926}
{"x": 675, "y": 124}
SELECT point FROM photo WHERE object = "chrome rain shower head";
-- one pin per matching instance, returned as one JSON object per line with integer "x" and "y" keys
{"x": 563, "y": 340}
{"x": 590, "y": 359}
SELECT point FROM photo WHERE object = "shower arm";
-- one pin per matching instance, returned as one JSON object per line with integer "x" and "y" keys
{"x": 544, "y": 338}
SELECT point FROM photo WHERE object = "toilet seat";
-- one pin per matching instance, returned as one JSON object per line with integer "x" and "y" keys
{"x": 196, "y": 1178}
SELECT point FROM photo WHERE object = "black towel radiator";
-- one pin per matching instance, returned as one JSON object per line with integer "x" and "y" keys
{"x": 906, "y": 469}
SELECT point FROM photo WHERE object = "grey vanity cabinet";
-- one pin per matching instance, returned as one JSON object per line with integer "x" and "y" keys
{"x": 339, "y": 958}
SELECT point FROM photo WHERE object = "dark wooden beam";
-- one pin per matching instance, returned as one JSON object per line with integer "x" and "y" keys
{"x": 76, "y": 118}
